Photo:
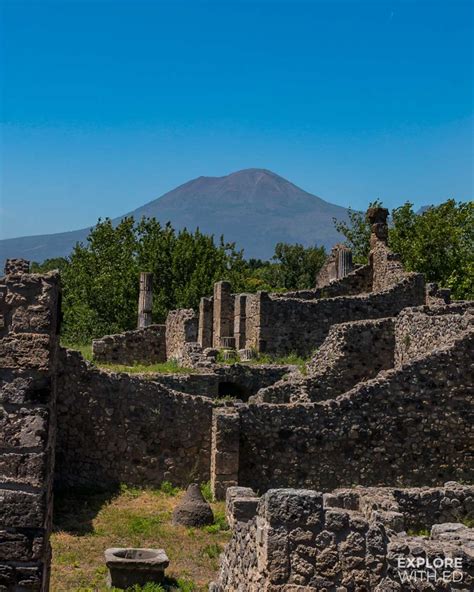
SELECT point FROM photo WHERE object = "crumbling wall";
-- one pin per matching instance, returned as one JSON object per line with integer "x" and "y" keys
{"x": 358, "y": 281}
{"x": 351, "y": 353}
{"x": 29, "y": 319}
{"x": 420, "y": 329}
{"x": 283, "y": 325}
{"x": 117, "y": 428}
{"x": 181, "y": 328}
{"x": 411, "y": 425}
{"x": 291, "y": 540}
{"x": 142, "y": 346}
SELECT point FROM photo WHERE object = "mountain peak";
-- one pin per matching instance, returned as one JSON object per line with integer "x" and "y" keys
{"x": 254, "y": 207}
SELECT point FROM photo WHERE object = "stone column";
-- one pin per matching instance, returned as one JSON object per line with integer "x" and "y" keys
{"x": 223, "y": 322}
{"x": 377, "y": 218}
{"x": 145, "y": 300}
{"x": 28, "y": 368}
{"x": 239, "y": 320}
{"x": 344, "y": 262}
{"x": 206, "y": 315}
{"x": 224, "y": 450}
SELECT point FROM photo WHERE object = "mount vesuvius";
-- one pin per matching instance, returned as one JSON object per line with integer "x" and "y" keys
{"x": 253, "y": 207}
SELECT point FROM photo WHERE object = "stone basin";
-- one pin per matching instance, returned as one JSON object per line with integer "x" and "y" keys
{"x": 128, "y": 567}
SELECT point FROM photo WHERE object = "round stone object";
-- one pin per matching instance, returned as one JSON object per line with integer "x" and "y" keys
{"x": 193, "y": 510}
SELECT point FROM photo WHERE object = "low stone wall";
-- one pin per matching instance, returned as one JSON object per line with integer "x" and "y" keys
{"x": 116, "y": 428}
{"x": 411, "y": 425}
{"x": 284, "y": 325}
{"x": 352, "y": 353}
{"x": 293, "y": 540}
{"x": 29, "y": 324}
{"x": 418, "y": 330}
{"x": 358, "y": 281}
{"x": 142, "y": 346}
{"x": 181, "y": 328}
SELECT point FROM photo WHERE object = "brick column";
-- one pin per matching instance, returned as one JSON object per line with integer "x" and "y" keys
{"x": 28, "y": 357}
{"x": 224, "y": 450}
{"x": 206, "y": 316}
{"x": 239, "y": 320}
{"x": 223, "y": 312}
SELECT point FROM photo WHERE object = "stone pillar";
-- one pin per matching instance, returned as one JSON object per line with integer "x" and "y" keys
{"x": 206, "y": 315}
{"x": 223, "y": 321}
{"x": 29, "y": 309}
{"x": 224, "y": 450}
{"x": 377, "y": 218}
{"x": 145, "y": 300}
{"x": 239, "y": 320}
{"x": 344, "y": 262}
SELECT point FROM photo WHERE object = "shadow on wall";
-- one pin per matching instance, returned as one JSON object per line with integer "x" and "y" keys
{"x": 75, "y": 509}
{"x": 233, "y": 390}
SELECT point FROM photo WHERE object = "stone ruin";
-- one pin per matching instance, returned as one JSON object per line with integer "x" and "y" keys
{"x": 386, "y": 402}
{"x": 300, "y": 540}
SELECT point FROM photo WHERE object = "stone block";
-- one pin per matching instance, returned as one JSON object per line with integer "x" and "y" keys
{"x": 17, "y": 546}
{"x": 21, "y": 509}
{"x": 23, "y": 468}
{"x": 26, "y": 350}
{"x": 23, "y": 428}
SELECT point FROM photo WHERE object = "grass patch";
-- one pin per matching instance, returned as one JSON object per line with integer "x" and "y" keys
{"x": 212, "y": 551}
{"x": 85, "y": 350}
{"x": 468, "y": 521}
{"x": 418, "y": 532}
{"x": 206, "y": 491}
{"x": 291, "y": 359}
{"x": 220, "y": 523}
{"x": 169, "y": 367}
{"x": 167, "y": 488}
{"x": 86, "y": 524}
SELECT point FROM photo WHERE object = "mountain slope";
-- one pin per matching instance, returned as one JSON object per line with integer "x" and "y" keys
{"x": 254, "y": 207}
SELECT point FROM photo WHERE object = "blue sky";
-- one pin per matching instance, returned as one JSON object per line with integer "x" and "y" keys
{"x": 106, "y": 105}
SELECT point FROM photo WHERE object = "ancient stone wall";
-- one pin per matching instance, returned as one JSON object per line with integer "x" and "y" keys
{"x": 290, "y": 540}
{"x": 419, "y": 330}
{"x": 181, "y": 328}
{"x": 284, "y": 325}
{"x": 142, "y": 346}
{"x": 351, "y": 353}
{"x": 117, "y": 428}
{"x": 410, "y": 425}
{"x": 29, "y": 323}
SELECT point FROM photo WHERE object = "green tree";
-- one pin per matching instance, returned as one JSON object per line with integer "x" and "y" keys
{"x": 59, "y": 263}
{"x": 100, "y": 282}
{"x": 438, "y": 243}
{"x": 297, "y": 265}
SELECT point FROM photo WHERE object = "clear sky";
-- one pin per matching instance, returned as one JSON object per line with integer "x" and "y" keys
{"x": 107, "y": 104}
